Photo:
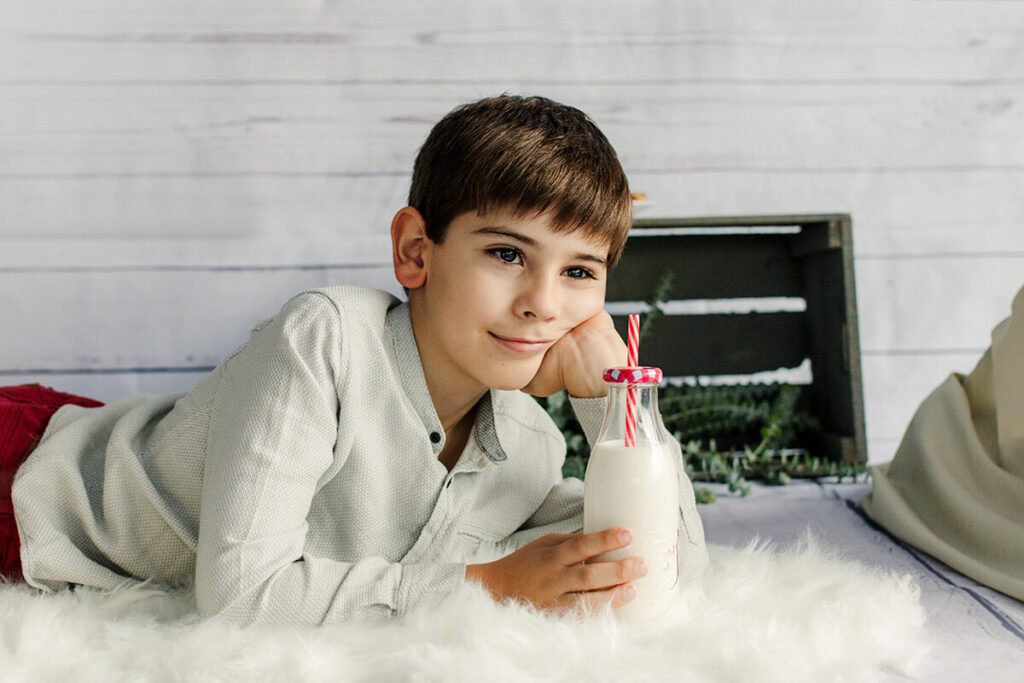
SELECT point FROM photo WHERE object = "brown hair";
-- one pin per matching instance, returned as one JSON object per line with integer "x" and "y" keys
{"x": 526, "y": 155}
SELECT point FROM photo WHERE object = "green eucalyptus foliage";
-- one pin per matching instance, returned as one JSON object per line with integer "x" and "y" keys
{"x": 728, "y": 434}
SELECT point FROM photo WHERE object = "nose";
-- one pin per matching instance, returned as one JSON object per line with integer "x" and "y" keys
{"x": 540, "y": 298}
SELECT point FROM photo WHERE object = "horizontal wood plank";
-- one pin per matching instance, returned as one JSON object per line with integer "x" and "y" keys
{"x": 914, "y": 212}
{"x": 196, "y": 220}
{"x": 895, "y": 386}
{"x": 939, "y": 303}
{"x": 110, "y": 386}
{"x": 111, "y": 321}
{"x": 458, "y": 44}
{"x": 358, "y": 129}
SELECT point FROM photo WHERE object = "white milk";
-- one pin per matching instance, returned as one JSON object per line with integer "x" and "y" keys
{"x": 638, "y": 488}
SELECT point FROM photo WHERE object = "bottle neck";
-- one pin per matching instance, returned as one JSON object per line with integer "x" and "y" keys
{"x": 648, "y": 418}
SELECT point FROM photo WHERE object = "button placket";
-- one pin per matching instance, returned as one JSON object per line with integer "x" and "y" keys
{"x": 433, "y": 533}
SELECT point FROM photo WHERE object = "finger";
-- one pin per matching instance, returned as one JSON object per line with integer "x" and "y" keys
{"x": 602, "y": 575}
{"x": 593, "y": 601}
{"x": 552, "y": 539}
{"x": 584, "y": 546}
{"x": 545, "y": 382}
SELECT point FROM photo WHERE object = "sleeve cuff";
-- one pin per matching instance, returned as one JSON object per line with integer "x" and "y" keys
{"x": 428, "y": 584}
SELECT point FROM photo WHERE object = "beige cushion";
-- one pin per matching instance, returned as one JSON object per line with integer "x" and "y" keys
{"x": 955, "y": 488}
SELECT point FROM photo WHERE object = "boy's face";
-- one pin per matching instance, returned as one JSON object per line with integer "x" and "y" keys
{"x": 496, "y": 279}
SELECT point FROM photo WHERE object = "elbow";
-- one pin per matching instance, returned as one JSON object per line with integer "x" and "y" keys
{"x": 220, "y": 592}
{"x": 210, "y": 603}
{"x": 217, "y": 600}
{"x": 206, "y": 607}
{"x": 217, "y": 607}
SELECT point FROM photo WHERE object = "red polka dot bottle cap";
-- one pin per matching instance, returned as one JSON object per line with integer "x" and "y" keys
{"x": 641, "y": 375}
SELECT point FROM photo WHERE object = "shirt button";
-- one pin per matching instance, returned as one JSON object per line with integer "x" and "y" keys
{"x": 435, "y": 437}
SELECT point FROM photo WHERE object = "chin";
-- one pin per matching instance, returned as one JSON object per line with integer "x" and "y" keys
{"x": 510, "y": 381}
{"x": 510, "y": 385}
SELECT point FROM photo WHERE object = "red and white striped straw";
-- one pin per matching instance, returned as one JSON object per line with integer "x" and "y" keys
{"x": 632, "y": 349}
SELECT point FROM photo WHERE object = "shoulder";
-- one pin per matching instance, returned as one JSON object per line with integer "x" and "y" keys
{"x": 349, "y": 302}
{"x": 324, "y": 321}
{"x": 332, "y": 310}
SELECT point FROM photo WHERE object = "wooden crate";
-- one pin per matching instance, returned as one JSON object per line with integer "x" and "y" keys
{"x": 722, "y": 258}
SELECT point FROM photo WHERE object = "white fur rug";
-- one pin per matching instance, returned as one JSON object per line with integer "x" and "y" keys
{"x": 759, "y": 615}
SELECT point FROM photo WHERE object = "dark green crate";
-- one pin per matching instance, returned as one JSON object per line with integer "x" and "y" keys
{"x": 728, "y": 257}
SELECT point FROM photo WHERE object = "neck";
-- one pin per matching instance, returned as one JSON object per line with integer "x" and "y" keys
{"x": 453, "y": 395}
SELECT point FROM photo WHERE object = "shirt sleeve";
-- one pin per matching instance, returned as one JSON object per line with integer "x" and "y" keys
{"x": 273, "y": 426}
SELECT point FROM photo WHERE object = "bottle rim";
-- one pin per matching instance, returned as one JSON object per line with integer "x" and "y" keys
{"x": 633, "y": 375}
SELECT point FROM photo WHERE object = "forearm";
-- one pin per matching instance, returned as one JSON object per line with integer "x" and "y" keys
{"x": 321, "y": 591}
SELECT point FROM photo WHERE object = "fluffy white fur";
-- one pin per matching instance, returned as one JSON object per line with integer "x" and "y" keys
{"x": 803, "y": 614}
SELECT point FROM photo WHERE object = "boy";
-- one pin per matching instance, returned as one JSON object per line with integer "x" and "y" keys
{"x": 329, "y": 467}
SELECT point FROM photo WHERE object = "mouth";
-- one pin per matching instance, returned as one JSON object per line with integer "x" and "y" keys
{"x": 525, "y": 346}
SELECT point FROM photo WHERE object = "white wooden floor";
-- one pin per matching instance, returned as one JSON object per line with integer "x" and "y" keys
{"x": 978, "y": 633}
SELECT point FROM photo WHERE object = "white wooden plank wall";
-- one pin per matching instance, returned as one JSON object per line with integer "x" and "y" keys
{"x": 171, "y": 172}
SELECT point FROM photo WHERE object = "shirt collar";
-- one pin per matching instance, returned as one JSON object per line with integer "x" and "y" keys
{"x": 410, "y": 368}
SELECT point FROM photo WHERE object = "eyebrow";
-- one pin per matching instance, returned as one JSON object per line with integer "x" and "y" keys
{"x": 530, "y": 242}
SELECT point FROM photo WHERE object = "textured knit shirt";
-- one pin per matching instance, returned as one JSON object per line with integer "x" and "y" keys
{"x": 299, "y": 481}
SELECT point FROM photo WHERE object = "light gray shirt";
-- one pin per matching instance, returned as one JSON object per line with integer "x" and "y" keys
{"x": 299, "y": 481}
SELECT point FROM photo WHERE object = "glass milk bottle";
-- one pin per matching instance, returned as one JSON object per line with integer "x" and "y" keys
{"x": 632, "y": 481}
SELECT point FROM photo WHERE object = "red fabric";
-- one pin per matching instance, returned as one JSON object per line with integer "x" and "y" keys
{"x": 25, "y": 410}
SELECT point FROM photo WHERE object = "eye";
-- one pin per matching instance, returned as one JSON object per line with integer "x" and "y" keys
{"x": 507, "y": 255}
{"x": 580, "y": 273}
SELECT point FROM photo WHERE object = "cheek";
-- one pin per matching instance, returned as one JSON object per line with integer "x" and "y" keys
{"x": 582, "y": 306}
{"x": 464, "y": 293}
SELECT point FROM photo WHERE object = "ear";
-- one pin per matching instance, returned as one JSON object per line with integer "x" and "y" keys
{"x": 410, "y": 247}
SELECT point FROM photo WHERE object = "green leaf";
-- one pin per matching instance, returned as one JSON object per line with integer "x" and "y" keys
{"x": 728, "y": 433}
{"x": 703, "y": 495}
{"x": 573, "y": 467}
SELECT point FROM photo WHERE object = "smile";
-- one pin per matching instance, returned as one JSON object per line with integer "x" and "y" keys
{"x": 523, "y": 346}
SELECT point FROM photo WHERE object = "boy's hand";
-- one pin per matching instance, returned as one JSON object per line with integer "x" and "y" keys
{"x": 577, "y": 361}
{"x": 548, "y": 573}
